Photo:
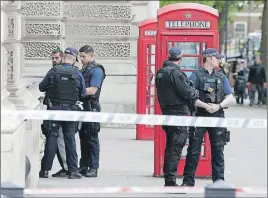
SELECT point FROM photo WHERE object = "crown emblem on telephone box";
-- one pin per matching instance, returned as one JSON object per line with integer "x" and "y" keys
{"x": 188, "y": 15}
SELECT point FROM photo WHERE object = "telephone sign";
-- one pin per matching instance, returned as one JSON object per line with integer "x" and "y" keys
{"x": 188, "y": 24}
{"x": 150, "y": 32}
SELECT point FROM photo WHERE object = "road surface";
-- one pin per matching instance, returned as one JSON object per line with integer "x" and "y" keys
{"x": 127, "y": 162}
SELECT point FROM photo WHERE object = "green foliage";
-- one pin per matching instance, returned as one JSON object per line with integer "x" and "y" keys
{"x": 234, "y": 6}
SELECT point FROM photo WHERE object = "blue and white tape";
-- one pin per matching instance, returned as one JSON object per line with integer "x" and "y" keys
{"x": 120, "y": 118}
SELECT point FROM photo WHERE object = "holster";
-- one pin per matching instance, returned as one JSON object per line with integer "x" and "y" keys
{"x": 46, "y": 127}
{"x": 226, "y": 135}
{"x": 75, "y": 108}
{"x": 93, "y": 127}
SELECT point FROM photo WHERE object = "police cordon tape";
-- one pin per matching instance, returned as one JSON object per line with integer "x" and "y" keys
{"x": 107, "y": 190}
{"x": 122, "y": 118}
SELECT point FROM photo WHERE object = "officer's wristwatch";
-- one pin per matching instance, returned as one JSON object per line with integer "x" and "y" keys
{"x": 220, "y": 107}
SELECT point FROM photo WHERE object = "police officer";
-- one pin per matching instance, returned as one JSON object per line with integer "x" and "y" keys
{"x": 64, "y": 85}
{"x": 215, "y": 94}
{"x": 94, "y": 75}
{"x": 56, "y": 57}
{"x": 174, "y": 94}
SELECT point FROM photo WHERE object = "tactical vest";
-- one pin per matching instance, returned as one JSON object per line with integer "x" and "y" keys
{"x": 86, "y": 72}
{"x": 210, "y": 87}
{"x": 64, "y": 86}
{"x": 165, "y": 88}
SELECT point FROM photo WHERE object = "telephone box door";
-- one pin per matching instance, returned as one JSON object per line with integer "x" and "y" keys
{"x": 145, "y": 77}
{"x": 192, "y": 48}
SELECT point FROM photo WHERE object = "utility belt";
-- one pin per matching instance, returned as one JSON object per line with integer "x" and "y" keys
{"x": 52, "y": 127}
{"x": 91, "y": 127}
{"x": 225, "y": 135}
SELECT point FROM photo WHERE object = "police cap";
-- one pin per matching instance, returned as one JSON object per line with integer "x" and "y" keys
{"x": 71, "y": 51}
{"x": 174, "y": 52}
{"x": 86, "y": 49}
{"x": 209, "y": 52}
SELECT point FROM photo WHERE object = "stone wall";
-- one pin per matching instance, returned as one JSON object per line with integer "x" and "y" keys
{"x": 110, "y": 27}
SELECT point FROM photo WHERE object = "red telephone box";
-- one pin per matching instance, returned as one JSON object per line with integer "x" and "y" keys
{"x": 192, "y": 28}
{"x": 145, "y": 77}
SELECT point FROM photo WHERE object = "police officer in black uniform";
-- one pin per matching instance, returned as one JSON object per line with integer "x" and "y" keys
{"x": 64, "y": 85}
{"x": 94, "y": 75}
{"x": 174, "y": 94}
{"x": 215, "y": 94}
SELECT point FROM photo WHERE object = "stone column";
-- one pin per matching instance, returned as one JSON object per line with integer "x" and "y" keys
{"x": 19, "y": 95}
{"x": 12, "y": 131}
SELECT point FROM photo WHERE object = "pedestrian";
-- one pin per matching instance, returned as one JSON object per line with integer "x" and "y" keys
{"x": 215, "y": 94}
{"x": 257, "y": 81}
{"x": 240, "y": 86}
{"x": 94, "y": 75}
{"x": 64, "y": 85}
{"x": 174, "y": 95}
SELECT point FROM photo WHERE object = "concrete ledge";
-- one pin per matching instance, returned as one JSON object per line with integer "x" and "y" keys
{"x": 13, "y": 158}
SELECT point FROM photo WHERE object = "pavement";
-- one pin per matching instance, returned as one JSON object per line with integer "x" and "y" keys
{"x": 127, "y": 162}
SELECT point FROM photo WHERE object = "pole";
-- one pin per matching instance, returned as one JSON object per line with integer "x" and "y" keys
{"x": 226, "y": 28}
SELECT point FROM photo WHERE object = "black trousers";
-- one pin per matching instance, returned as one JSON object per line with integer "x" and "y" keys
{"x": 256, "y": 88}
{"x": 51, "y": 146}
{"x": 217, "y": 141}
{"x": 176, "y": 138}
{"x": 90, "y": 148}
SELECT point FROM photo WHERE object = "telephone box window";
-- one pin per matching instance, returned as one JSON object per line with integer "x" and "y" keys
{"x": 192, "y": 48}
{"x": 191, "y": 63}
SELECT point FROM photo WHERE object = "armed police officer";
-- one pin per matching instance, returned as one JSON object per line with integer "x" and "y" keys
{"x": 64, "y": 85}
{"x": 94, "y": 75}
{"x": 215, "y": 94}
{"x": 174, "y": 94}
{"x": 56, "y": 57}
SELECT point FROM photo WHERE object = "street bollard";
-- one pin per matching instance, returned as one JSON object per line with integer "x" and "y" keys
{"x": 9, "y": 189}
{"x": 220, "y": 189}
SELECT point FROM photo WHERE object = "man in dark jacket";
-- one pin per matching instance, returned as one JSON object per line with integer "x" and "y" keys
{"x": 174, "y": 95}
{"x": 256, "y": 80}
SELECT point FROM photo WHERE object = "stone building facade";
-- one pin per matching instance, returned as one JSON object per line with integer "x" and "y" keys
{"x": 30, "y": 30}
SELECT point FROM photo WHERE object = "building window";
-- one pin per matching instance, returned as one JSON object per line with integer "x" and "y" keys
{"x": 240, "y": 29}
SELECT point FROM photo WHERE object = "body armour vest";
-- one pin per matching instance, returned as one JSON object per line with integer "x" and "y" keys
{"x": 165, "y": 88}
{"x": 64, "y": 87}
{"x": 86, "y": 71}
{"x": 210, "y": 87}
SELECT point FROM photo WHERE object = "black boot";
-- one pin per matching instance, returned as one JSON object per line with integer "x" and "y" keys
{"x": 170, "y": 185}
{"x": 83, "y": 170}
{"x": 75, "y": 175}
{"x": 43, "y": 174}
{"x": 186, "y": 185}
{"x": 61, "y": 173}
{"x": 92, "y": 173}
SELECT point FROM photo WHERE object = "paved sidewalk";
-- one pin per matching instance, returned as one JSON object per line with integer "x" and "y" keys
{"x": 128, "y": 162}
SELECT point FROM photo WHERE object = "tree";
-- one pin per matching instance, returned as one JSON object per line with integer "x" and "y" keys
{"x": 234, "y": 6}
{"x": 263, "y": 49}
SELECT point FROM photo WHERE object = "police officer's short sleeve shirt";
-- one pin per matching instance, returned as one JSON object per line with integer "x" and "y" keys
{"x": 96, "y": 77}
